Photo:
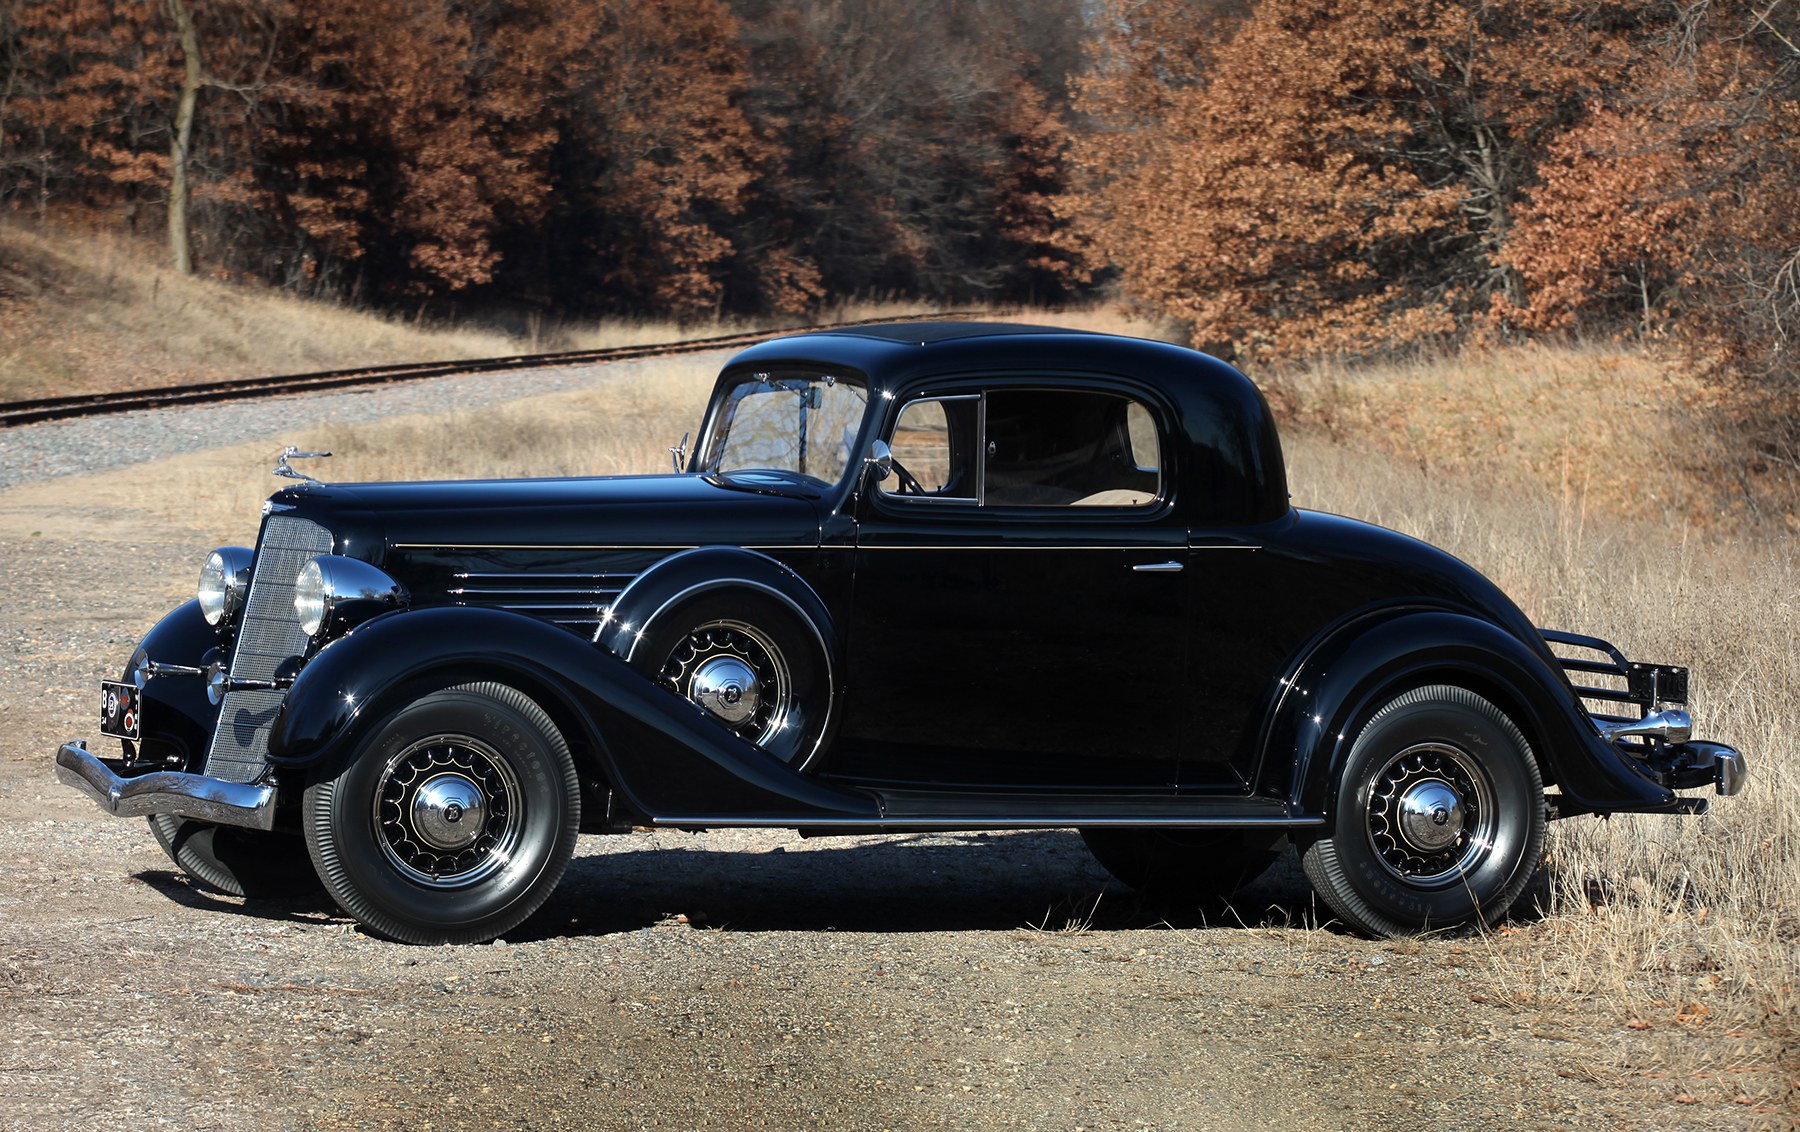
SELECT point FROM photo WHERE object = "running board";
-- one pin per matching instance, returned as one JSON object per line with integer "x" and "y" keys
{"x": 909, "y": 812}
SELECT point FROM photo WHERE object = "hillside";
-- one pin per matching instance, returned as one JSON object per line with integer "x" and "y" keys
{"x": 85, "y": 312}
{"x": 1611, "y": 427}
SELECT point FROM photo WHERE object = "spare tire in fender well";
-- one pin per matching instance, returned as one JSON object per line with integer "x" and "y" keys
{"x": 689, "y": 573}
{"x": 694, "y": 588}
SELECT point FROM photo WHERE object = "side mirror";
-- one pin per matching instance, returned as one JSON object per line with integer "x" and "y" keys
{"x": 881, "y": 458}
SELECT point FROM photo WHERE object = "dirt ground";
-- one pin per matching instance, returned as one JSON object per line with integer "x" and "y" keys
{"x": 734, "y": 980}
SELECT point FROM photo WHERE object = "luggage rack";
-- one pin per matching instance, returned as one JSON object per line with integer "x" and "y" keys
{"x": 1648, "y": 687}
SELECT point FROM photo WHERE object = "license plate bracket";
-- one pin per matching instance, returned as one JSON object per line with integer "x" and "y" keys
{"x": 121, "y": 709}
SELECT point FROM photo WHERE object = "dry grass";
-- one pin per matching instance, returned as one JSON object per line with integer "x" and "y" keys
{"x": 1651, "y": 914}
{"x": 624, "y": 427}
{"x": 84, "y": 313}
{"x": 1615, "y": 425}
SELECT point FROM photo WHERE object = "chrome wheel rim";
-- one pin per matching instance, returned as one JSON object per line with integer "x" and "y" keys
{"x": 737, "y": 674}
{"x": 1430, "y": 817}
{"x": 448, "y": 811}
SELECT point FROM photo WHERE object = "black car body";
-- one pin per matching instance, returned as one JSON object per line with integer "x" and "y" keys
{"x": 914, "y": 577}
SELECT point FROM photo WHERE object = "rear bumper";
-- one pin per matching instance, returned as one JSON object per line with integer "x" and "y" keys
{"x": 1655, "y": 739}
{"x": 166, "y": 792}
{"x": 1714, "y": 764}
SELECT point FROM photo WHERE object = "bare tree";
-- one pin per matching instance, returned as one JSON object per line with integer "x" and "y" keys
{"x": 192, "y": 76}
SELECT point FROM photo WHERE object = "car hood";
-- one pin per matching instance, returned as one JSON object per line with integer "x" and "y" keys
{"x": 371, "y": 520}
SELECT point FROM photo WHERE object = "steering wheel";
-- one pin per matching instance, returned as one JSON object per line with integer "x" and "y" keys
{"x": 909, "y": 483}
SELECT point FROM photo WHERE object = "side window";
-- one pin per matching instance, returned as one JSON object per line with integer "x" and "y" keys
{"x": 934, "y": 445}
{"x": 1145, "y": 451}
{"x": 1070, "y": 448}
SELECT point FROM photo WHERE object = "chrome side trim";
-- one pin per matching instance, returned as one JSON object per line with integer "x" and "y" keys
{"x": 537, "y": 546}
{"x": 1060, "y": 821}
{"x": 166, "y": 792}
{"x": 1084, "y": 546}
{"x": 576, "y": 600}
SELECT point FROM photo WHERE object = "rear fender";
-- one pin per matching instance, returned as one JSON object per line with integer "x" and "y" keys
{"x": 1350, "y": 675}
{"x": 662, "y": 754}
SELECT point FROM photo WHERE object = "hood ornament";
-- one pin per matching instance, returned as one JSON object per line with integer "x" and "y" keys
{"x": 283, "y": 468}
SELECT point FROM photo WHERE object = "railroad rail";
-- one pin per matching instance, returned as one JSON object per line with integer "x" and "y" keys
{"x": 13, "y": 413}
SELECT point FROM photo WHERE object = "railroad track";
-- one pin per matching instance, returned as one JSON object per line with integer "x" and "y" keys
{"x": 13, "y": 413}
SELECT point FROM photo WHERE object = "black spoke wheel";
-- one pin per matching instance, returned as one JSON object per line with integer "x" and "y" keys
{"x": 1185, "y": 866}
{"x": 452, "y": 822}
{"x": 234, "y": 861}
{"x": 738, "y": 673}
{"x": 1439, "y": 820}
{"x": 753, "y": 663}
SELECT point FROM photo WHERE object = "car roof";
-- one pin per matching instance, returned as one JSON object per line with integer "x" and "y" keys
{"x": 925, "y": 333}
{"x": 1230, "y": 433}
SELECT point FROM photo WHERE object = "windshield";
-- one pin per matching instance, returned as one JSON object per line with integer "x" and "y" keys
{"x": 800, "y": 423}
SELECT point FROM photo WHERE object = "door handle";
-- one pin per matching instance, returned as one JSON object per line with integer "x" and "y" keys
{"x": 1157, "y": 568}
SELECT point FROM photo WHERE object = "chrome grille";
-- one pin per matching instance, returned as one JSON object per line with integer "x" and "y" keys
{"x": 577, "y": 601}
{"x": 269, "y": 634}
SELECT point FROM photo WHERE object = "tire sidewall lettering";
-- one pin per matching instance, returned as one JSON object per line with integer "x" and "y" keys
{"x": 1346, "y": 867}
{"x": 346, "y": 839}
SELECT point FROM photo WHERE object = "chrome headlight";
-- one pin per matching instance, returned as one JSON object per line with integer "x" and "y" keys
{"x": 224, "y": 581}
{"x": 332, "y": 585}
{"x": 309, "y": 597}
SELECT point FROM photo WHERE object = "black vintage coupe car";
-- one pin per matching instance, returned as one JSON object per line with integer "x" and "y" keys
{"x": 926, "y": 576}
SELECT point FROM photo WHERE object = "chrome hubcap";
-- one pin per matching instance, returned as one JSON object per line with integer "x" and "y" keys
{"x": 727, "y": 687}
{"x": 1431, "y": 816}
{"x": 736, "y": 672}
{"x": 448, "y": 812}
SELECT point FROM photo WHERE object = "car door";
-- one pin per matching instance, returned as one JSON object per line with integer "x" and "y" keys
{"x": 1019, "y": 602}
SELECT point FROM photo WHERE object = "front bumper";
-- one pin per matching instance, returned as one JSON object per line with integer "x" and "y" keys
{"x": 166, "y": 792}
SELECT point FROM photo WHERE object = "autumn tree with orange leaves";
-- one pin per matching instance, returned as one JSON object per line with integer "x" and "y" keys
{"x": 1297, "y": 177}
{"x": 1674, "y": 204}
{"x": 681, "y": 157}
{"x": 1284, "y": 178}
{"x": 1303, "y": 177}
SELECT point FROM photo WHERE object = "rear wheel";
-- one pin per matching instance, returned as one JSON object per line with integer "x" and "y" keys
{"x": 453, "y": 821}
{"x": 1186, "y": 865}
{"x": 234, "y": 861}
{"x": 1439, "y": 820}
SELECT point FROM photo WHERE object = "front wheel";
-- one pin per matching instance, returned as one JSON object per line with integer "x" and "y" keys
{"x": 1439, "y": 819}
{"x": 452, "y": 822}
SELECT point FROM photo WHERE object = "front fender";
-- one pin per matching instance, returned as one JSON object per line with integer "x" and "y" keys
{"x": 665, "y": 757}
{"x": 178, "y": 718}
{"x": 1347, "y": 677}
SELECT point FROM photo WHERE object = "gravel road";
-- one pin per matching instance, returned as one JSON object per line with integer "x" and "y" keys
{"x": 726, "y": 980}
